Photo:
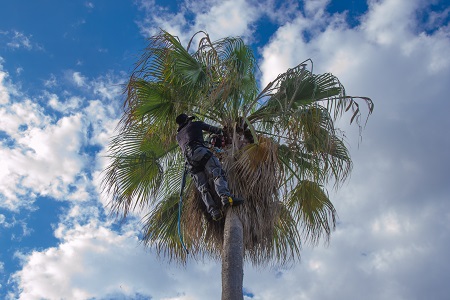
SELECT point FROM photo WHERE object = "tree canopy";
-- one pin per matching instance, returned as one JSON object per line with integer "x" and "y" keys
{"x": 282, "y": 148}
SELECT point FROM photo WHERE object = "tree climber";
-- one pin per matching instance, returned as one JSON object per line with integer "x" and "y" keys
{"x": 203, "y": 165}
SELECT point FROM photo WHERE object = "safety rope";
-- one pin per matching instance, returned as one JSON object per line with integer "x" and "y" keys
{"x": 183, "y": 183}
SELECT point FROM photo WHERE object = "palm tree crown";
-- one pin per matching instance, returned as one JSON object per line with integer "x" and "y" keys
{"x": 282, "y": 148}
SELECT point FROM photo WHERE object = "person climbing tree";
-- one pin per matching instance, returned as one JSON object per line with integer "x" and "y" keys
{"x": 281, "y": 164}
{"x": 203, "y": 165}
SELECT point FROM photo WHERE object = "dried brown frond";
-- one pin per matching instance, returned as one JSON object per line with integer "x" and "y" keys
{"x": 253, "y": 175}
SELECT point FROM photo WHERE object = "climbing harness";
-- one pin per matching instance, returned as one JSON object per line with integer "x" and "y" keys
{"x": 196, "y": 166}
{"x": 183, "y": 183}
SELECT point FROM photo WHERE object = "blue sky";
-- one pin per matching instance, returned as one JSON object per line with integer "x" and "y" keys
{"x": 62, "y": 64}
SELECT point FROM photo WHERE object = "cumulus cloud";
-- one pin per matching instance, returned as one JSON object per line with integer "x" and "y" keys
{"x": 385, "y": 259}
{"x": 101, "y": 123}
{"x": 7, "y": 89}
{"x": 395, "y": 200}
{"x": 94, "y": 261}
{"x": 394, "y": 215}
{"x": 388, "y": 21}
{"x": 80, "y": 267}
{"x": 4, "y": 95}
{"x": 43, "y": 155}
{"x": 217, "y": 18}
{"x": 109, "y": 88}
{"x": 225, "y": 18}
{"x": 69, "y": 105}
{"x": 389, "y": 26}
{"x": 78, "y": 79}
{"x": 44, "y": 160}
{"x": 388, "y": 210}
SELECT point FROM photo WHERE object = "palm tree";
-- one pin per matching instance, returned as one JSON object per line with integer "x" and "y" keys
{"x": 282, "y": 150}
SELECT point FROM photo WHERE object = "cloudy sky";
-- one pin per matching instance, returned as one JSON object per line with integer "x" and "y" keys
{"x": 62, "y": 64}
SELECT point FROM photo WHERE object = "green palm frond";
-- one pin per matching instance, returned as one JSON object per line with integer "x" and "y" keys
{"x": 314, "y": 211}
{"x": 142, "y": 169}
{"x": 161, "y": 229}
{"x": 135, "y": 177}
{"x": 286, "y": 237}
{"x": 299, "y": 87}
{"x": 282, "y": 148}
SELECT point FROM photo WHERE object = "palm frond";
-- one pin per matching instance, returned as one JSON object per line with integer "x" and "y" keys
{"x": 299, "y": 87}
{"x": 161, "y": 229}
{"x": 132, "y": 181}
{"x": 286, "y": 237}
{"x": 140, "y": 169}
{"x": 314, "y": 211}
{"x": 282, "y": 148}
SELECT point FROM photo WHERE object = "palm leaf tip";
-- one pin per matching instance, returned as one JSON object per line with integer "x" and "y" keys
{"x": 314, "y": 210}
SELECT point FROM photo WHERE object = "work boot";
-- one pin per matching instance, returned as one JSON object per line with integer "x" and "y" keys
{"x": 231, "y": 201}
{"x": 216, "y": 214}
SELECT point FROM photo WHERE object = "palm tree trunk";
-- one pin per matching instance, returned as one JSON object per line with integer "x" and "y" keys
{"x": 232, "y": 258}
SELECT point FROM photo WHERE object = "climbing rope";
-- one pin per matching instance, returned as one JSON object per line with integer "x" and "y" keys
{"x": 183, "y": 183}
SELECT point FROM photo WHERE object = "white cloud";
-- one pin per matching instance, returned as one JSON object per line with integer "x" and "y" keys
{"x": 16, "y": 114}
{"x": 311, "y": 38}
{"x": 391, "y": 225}
{"x": 108, "y": 87}
{"x": 102, "y": 122}
{"x": 389, "y": 27}
{"x": 394, "y": 213}
{"x": 43, "y": 155}
{"x": 45, "y": 160}
{"x": 2, "y": 267}
{"x": 94, "y": 261}
{"x": 17, "y": 235}
{"x": 389, "y": 207}
{"x": 225, "y": 18}
{"x": 278, "y": 55}
{"x": 315, "y": 8}
{"x": 78, "y": 79}
{"x": 4, "y": 95}
{"x": 51, "y": 82}
{"x": 26, "y": 231}
{"x": 390, "y": 21}
{"x": 68, "y": 105}
{"x": 158, "y": 17}
{"x": 19, "y": 40}
{"x": 218, "y": 18}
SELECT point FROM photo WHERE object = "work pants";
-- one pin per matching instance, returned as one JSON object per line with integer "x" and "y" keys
{"x": 211, "y": 169}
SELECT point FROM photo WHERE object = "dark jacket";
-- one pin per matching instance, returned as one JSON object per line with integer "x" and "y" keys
{"x": 191, "y": 133}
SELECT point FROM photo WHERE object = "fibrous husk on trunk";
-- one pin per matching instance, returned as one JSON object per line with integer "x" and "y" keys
{"x": 252, "y": 175}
